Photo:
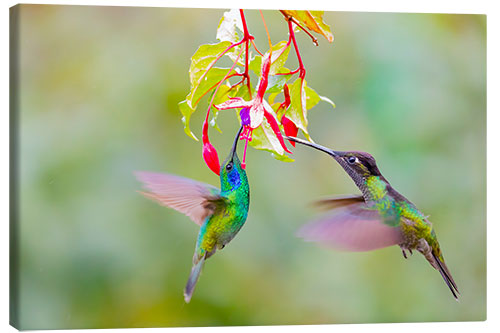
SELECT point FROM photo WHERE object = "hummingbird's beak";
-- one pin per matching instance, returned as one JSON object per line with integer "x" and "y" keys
{"x": 330, "y": 152}
{"x": 235, "y": 144}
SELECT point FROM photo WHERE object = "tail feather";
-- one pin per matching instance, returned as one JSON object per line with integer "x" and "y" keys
{"x": 445, "y": 273}
{"x": 193, "y": 279}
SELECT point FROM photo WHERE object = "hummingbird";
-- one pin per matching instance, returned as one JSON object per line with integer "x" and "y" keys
{"x": 220, "y": 213}
{"x": 377, "y": 218}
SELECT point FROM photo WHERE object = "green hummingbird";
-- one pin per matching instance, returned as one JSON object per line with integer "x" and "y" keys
{"x": 219, "y": 213}
{"x": 378, "y": 218}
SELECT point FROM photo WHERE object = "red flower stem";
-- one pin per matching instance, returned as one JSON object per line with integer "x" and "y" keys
{"x": 247, "y": 38}
{"x": 244, "y": 164}
{"x": 302, "y": 70}
{"x": 256, "y": 49}
{"x": 239, "y": 82}
{"x": 267, "y": 33}
{"x": 289, "y": 73}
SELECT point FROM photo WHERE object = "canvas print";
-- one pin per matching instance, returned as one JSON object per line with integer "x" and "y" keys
{"x": 333, "y": 164}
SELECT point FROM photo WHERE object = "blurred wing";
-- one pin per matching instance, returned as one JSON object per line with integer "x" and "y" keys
{"x": 195, "y": 199}
{"x": 354, "y": 228}
{"x": 337, "y": 202}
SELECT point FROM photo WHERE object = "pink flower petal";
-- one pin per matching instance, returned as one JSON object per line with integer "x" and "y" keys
{"x": 234, "y": 103}
{"x": 256, "y": 114}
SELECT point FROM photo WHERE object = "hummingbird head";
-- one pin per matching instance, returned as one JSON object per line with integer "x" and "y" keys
{"x": 231, "y": 173}
{"x": 359, "y": 165}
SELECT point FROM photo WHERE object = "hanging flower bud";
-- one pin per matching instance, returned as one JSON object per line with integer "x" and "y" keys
{"x": 211, "y": 158}
{"x": 290, "y": 128}
{"x": 209, "y": 152}
{"x": 286, "y": 92}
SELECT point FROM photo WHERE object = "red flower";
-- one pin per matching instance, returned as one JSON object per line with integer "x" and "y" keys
{"x": 254, "y": 111}
{"x": 288, "y": 125}
{"x": 209, "y": 152}
{"x": 290, "y": 128}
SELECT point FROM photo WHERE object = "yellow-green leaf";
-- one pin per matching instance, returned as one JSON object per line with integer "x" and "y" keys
{"x": 312, "y": 20}
{"x": 221, "y": 96}
{"x": 302, "y": 99}
{"x": 186, "y": 111}
{"x": 201, "y": 63}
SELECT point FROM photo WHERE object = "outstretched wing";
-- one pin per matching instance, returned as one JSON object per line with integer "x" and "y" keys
{"x": 195, "y": 199}
{"x": 352, "y": 228}
{"x": 338, "y": 202}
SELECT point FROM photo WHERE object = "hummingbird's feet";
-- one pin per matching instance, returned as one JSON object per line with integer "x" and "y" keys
{"x": 404, "y": 252}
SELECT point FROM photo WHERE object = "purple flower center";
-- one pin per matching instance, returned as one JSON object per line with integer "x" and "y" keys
{"x": 245, "y": 116}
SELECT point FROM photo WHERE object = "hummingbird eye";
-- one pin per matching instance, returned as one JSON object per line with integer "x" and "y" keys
{"x": 229, "y": 166}
{"x": 352, "y": 159}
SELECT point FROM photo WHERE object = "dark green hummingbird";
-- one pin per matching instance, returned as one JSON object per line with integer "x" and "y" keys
{"x": 378, "y": 218}
{"x": 219, "y": 213}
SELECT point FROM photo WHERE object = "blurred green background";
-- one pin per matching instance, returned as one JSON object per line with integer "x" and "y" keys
{"x": 99, "y": 88}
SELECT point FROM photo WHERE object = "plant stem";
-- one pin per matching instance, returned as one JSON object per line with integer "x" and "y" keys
{"x": 302, "y": 70}
{"x": 247, "y": 38}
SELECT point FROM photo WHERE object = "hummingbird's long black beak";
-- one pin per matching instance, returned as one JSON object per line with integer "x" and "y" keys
{"x": 330, "y": 152}
{"x": 235, "y": 144}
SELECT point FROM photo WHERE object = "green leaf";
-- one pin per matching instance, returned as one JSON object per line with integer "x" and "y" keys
{"x": 241, "y": 91}
{"x": 201, "y": 63}
{"x": 279, "y": 57}
{"x": 279, "y": 112}
{"x": 221, "y": 96}
{"x": 312, "y": 97}
{"x": 302, "y": 99}
{"x": 278, "y": 60}
{"x": 283, "y": 158}
{"x": 277, "y": 82}
{"x": 208, "y": 83}
{"x": 323, "y": 28}
{"x": 186, "y": 111}
{"x": 312, "y": 20}
{"x": 298, "y": 109}
{"x": 271, "y": 97}
{"x": 255, "y": 65}
{"x": 229, "y": 25}
{"x": 263, "y": 138}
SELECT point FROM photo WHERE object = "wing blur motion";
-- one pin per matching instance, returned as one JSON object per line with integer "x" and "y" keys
{"x": 353, "y": 228}
{"x": 194, "y": 199}
{"x": 337, "y": 202}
